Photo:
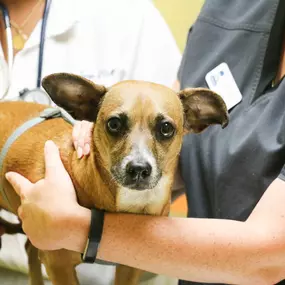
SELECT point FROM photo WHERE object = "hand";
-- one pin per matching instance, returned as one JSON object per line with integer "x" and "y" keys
{"x": 82, "y": 133}
{"x": 49, "y": 207}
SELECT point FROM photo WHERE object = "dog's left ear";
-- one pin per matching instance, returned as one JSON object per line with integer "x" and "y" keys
{"x": 78, "y": 96}
{"x": 202, "y": 108}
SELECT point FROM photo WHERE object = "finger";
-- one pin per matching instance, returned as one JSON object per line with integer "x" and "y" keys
{"x": 20, "y": 213}
{"x": 88, "y": 136}
{"x": 88, "y": 132}
{"x": 53, "y": 163}
{"x": 86, "y": 149}
{"x": 83, "y": 138}
{"x": 75, "y": 133}
{"x": 21, "y": 184}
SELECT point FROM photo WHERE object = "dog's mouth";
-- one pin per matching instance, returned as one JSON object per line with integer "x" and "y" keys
{"x": 140, "y": 185}
{"x": 137, "y": 182}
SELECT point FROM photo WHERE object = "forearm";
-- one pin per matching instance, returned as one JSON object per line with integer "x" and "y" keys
{"x": 190, "y": 249}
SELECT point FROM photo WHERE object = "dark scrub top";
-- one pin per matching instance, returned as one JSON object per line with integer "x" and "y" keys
{"x": 227, "y": 171}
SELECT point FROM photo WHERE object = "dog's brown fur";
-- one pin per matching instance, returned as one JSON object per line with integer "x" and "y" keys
{"x": 191, "y": 110}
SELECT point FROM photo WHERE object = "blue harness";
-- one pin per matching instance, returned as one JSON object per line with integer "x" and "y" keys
{"x": 49, "y": 113}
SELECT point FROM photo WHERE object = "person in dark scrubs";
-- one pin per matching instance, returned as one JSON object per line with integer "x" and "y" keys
{"x": 227, "y": 171}
{"x": 234, "y": 178}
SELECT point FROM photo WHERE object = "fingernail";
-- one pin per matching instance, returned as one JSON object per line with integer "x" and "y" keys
{"x": 79, "y": 152}
{"x": 50, "y": 144}
{"x": 7, "y": 175}
{"x": 86, "y": 149}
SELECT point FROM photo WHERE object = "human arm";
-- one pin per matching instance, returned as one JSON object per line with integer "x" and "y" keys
{"x": 204, "y": 250}
{"x": 190, "y": 249}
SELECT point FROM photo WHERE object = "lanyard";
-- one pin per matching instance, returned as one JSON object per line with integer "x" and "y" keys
{"x": 7, "y": 25}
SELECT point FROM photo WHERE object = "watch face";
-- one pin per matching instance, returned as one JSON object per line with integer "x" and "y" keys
{"x": 37, "y": 96}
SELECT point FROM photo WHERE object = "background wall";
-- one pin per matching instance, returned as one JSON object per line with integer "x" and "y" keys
{"x": 180, "y": 15}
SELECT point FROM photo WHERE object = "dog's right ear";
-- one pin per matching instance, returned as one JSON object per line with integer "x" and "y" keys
{"x": 78, "y": 96}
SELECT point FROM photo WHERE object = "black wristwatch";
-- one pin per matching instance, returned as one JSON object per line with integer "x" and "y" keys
{"x": 94, "y": 237}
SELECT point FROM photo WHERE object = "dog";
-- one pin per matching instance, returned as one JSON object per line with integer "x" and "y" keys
{"x": 136, "y": 140}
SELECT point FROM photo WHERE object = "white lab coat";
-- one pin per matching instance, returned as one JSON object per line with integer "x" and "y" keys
{"x": 106, "y": 41}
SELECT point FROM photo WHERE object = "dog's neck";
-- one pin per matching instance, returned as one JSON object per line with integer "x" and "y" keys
{"x": 93, "y": 183}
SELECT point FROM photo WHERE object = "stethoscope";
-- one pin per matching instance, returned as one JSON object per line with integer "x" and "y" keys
{"x": 36, "y": 95}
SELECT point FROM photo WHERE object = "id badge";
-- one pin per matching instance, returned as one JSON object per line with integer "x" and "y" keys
{"x": 221, "y": 81}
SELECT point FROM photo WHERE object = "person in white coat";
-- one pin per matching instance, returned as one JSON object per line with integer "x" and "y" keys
{"x": 105, "y": 41}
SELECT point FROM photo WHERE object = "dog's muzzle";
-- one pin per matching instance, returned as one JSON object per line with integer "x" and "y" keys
{"x": 136, "y": 175}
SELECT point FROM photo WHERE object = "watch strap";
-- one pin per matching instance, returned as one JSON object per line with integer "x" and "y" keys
{"x": 94, "y": 237}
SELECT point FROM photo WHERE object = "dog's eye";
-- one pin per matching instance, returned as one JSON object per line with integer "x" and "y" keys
{"x": 114, "y": 125}
{"x": 167, "y": 130}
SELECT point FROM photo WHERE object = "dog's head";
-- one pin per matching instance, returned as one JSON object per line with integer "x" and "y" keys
{"x": 139, "y": 125}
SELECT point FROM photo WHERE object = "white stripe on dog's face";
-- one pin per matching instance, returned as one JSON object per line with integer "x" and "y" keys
{"x": 141, "y": 156}
{"x": 140, "y": 151}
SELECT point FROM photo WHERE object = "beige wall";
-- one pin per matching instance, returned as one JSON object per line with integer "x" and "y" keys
{"x": 179, "y": 14}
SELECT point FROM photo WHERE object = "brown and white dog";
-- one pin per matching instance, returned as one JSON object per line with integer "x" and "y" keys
{"x": 134, "y": 151}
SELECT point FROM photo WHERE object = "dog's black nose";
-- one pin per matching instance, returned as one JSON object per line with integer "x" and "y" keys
{"x": 138, "y": 171}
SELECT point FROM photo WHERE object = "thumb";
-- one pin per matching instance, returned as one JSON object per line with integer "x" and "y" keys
{"x": 20, "y": 184}
{"x": 53, "y": 163}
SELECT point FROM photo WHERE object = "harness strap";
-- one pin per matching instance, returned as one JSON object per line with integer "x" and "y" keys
{"x": 49, "y": 113}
